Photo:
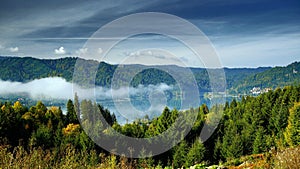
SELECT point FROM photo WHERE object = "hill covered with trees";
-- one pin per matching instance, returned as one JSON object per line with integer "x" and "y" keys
{"x": 271, "y": 78}
{"x": 239, "y": 80}
{"x": 266, "y": 126}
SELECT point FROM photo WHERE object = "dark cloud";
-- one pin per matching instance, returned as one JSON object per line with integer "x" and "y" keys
{"x": 34, "y": 22}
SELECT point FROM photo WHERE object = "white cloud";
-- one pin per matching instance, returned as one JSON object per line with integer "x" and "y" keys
{"x": 258, "y": 50}
{"x": 60, "y": 51}
{"x": 1, "y": 47}
{"x": 137, "y": 53}
{"x": 51, "y": 87}
{"x": 57, "y": 87}
{"x": 81, "y": 51}
{"x": 150, "y": 52}
{"x": 100, "y": 51}
{"x": 13, "y": 49}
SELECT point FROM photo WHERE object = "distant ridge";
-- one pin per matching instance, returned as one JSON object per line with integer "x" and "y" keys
{"x": 23, "y": 69}
{"x": 278, "y": 76}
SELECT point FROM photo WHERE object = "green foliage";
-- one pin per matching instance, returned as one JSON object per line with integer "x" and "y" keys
{"x": 41, "y": 138}
{"x": 195, "y": 154}
{"x": 252, "y": 125}
{"x": 259, "y": 144}
{"x": 134, "y": 130}
{"x": 272, "y": 78}
{"x": 162, "y": 123}
{"x": 238, "y": 80}
{"x": 256, "y": 124}
{"x": 180, "y": 154}
{"x": 71, "y": 116}
{"x": 292, "y": 133}
{"x": 77, "y": 106}
{"x": 152, "y": 76}
{"x": 61, "y": 159}
{"x": 109, "y": 118}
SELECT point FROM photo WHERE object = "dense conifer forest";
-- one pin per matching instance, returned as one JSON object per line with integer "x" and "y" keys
{"x": 262, "y": 132}
{"x": 199, "y": 84}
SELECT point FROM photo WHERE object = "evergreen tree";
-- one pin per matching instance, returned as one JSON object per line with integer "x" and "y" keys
{"x": 71, "y": 116}
{"x": 179, "y": 156}
{"x": 77, "y": 107}
{"x": 8, "y": 121}
{"x": 195, "y": 154}
{"x": 259, "y": 144}
{"x": 86, "y": 109}
{"x": 42, "y": 137}
{"x": 292, "y": 133}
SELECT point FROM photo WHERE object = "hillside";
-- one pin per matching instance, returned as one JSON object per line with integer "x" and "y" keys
{"x": 239, "y": 80}
{"x": 272, "y": 78}
{"x": 256, "y": 132}
{"x": 27, "y": 68}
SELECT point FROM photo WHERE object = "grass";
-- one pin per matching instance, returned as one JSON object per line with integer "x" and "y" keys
{"x": 69, "y": 157}
{"x": 287, "y": 158}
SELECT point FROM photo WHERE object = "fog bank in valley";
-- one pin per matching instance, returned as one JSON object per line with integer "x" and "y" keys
{"x": 59, "y": 88}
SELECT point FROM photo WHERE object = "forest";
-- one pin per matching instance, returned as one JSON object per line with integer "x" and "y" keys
{"x": 238, "y": 80}
{"x": 257, "y": 132}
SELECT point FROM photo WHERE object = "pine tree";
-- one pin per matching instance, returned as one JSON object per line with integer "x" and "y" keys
{"x": 292, "y": 133}
{"x": 179, "y": 156}
{"x": 77, "y": 107}
{"x": 71, "y": 114}
{"x": 86, "y": 109}
{"x": 259, "y": 144}
{"x": 195, "y": 154}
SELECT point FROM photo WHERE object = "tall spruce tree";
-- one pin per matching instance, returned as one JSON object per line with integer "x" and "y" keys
{"x": 292, "y": 133}
{"x": 71, "y": 116}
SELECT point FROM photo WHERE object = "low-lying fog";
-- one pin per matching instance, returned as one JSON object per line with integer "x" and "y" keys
{"x": 59, "y": 88}
{"x": 119, "y": 103}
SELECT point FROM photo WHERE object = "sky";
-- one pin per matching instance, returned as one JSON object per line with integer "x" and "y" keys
{"x": 243, "y": 33}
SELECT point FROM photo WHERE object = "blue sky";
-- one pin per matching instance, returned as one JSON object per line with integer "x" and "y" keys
{"x": 244, "y": 33}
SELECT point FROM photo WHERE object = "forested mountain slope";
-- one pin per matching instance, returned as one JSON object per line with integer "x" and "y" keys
{"x": 272, "y": 78}
{"x": 46, "y": 137}
{"x": 238, "y": 79}
{"x": 27, "y": 68}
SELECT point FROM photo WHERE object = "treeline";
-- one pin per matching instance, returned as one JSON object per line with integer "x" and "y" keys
{"x": 239, "y": 80}
{"x": 250, "y": 126}
{"x": 272, "y": 78}
{"x": 258, "y": 124}
{"x": 27, "y": 69}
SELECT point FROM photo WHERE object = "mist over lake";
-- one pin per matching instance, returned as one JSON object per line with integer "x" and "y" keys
{"x": 135, "y": 102}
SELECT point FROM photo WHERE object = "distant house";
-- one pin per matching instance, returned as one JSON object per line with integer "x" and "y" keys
{"x": 295, "y": 71}
{"x": 266, "y": 90}
{"x": 255, "y": 90}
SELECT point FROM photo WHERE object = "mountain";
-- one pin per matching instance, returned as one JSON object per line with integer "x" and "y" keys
{"x": 23, "y": 69}
{"x": 271, "y": 78}
{"x": 234, "y": 76}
